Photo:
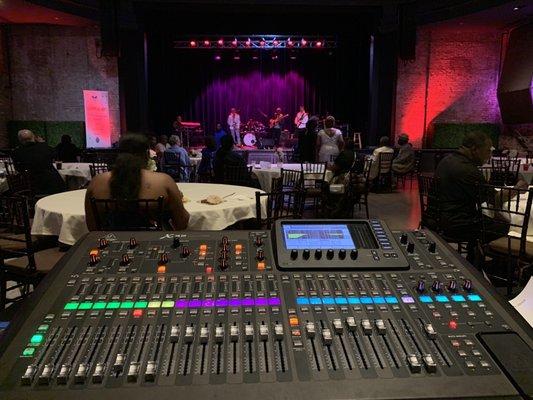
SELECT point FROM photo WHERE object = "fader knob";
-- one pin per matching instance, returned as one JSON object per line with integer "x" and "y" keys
{"x": 103, "y": 243}
{"x": 410, "y": 247}
{"x": 432, "y": 247}
{"x": 318, "y": 254}
{"x": 420, "y": 286}
{"x": 223, "y": 265}
{"x": 342, "y": 254}
{"x": 306, "y": 254}
{"x": 353, "y": 254}
{"x": 125, "y": 259}
{"x": 452, "y": 285}
{"x": 163, "y": 259}
{"x": 467, "y": 285}
{"x": 94, "y": 259}
{"x": 294, "y": 254}
{"x": 330, "y": 254}
{"x": 436, "y": 286}
{"x": 185, "y": 252}
{"x": 176, "y": 242}
{"x": 225, "y": 240}
{"x": 258, "y": 241}
{"x": 260, "y": 255}
{"x": 133, "y": 243}
{"x": 404, "y": 238}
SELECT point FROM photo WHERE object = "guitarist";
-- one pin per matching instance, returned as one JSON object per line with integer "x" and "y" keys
{"x": 276, "y": 123}
{"x": 301, "y": 120}
{"x": 234, "y": 125}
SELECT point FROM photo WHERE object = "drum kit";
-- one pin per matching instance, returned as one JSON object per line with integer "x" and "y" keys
{"x": 252, "y": 130}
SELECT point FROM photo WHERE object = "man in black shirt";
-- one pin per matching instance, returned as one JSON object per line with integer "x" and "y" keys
{"x": 227, "y": 156}
{"x": 36, "y": 158}
{"x": 458, "y": 178}
{"x": 67, "y": 151}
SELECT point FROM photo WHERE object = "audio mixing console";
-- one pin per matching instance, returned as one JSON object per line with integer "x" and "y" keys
{"x": 313, "y": 309}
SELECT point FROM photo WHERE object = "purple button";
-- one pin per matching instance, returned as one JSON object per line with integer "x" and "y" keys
{"x": 248, "y": 302}
{"x": 208, "y": 303}
{"x": 408, "y": 299}
{"x": 195, "y": 303}
{"x": 274, "y": 301}
{"x": 181, "y": 303}
{"x": 221, "y": 303}
{"x": 261, "y": 301}
{"x": 235, "y": 303}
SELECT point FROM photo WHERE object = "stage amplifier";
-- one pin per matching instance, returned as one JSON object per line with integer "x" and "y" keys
{"x": 315, "y": 309}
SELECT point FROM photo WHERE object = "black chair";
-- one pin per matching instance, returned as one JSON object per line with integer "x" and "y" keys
{"x": 239, "y": 175}
{"x": 357, "y": 196}
{"x": 98, "y": 168}
{"x": 128, "y": 215}
{"x": 314, "y": 179}
{"x": 504, "y": 171}
{"x": 506, "y": 216}
{"x": 278, "y": 205}
{"x": 529, "y": 157}
{"x": 384, "y": 178}
{"x": 20, "y": 259}
{"x": 289, "y": 180}
{"x": 411, "y": 175}
{"x": 9, "y": 167}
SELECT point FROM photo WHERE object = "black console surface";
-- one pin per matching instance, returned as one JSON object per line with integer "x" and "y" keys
{"x": 244, "y": 314}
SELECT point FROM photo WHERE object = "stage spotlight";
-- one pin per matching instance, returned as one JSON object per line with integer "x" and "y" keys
{"x": 234, "y": 43}
{"x": 318, "y": 44}
{"x": 218, "y": 57}
{"x": 255, "y": 55}
{"x": 274, "y": 56}
{"x": 303, "y": 42}
{"x": 290, "y": 43}
{"x": 275, "y": 42}
{"x": 262, "y": 43}
{"x": 193, "y": 43}
{"x": 220, "y": 42}
{"x": 292, "y": 55}
{"x": 207, "y": 43}
{"x": 236, "y": 56}
{"x": 248, "y": 43}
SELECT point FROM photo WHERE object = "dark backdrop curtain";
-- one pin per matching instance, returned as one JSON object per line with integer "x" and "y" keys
{"x": 192, "y": 83}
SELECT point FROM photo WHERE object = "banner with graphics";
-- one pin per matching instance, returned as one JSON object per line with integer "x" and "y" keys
{"x": 97, "y": 124}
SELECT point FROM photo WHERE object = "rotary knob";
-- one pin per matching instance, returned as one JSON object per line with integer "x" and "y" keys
{"x": 103, "y": 243}
{"x": 354, "y": 254}
{"x": 410, "y": 247}
{"x": 176, "y": 242}
{"x": 125, "y": 259}
{"x": 342, "y": 254}
{"x": 185, "y": 252}
{"x": 94, "y": 259}
{"x": 133, "y": 243}
{"x": 294, "y": 254}
{"x": 404, "y": 238}
{"x": 420, "y": 286}
{"x": 432, "y": 247}
{"x": 436, "y": 286}
{"x": 306, "y": 254}
{"x": 260, "y": 255}
{"x": 467, "y": 285}
{"x": 163, "y": 259}
{"x": 318, "y": 254}
{"x": 258, "y": 241}
{"x": 452, "y": 285}
{"x": 329, "y": 254}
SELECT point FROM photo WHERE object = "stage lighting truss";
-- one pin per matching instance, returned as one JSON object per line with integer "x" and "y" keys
{"x": 252, "y": 42}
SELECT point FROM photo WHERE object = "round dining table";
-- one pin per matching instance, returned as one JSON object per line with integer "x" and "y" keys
{"x": 265, "y": 173}
{"x": 63, "y": 214}
{"x": 79, "y": 170}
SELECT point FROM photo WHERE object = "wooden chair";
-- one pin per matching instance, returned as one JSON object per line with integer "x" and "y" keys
{"x": 128, "y": 215}
{"x": 504, "y": 171}
{"x": 411, "y": 175}
{"x": 289, "y": 180}
{"x": 20, "y": 260}
{"x": 239, "y": 175}
{"x": 279, "y": 205}
{"x": 98, "y": 168}
{"x": 385, "y": 170}
{"x": 314, "y": 177}
{"x": 357, "y": 197}
{"x": 507, "y": 215}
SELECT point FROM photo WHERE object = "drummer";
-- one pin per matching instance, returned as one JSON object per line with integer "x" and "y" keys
{"x": 219, "y": 133}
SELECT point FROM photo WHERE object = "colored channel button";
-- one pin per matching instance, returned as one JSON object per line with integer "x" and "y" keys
{"x": 36, "y": 339}
{"x": 28, "y": 352}
{"x": 71, "y": 306}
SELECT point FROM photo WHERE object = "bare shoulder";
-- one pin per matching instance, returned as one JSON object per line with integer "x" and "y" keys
{"x": 100, "y": 179}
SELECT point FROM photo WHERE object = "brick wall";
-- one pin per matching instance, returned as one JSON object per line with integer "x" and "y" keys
{"x": 52, "y": 65}
{"x": 5, "y": 89}
{"x": 454, "y": 79}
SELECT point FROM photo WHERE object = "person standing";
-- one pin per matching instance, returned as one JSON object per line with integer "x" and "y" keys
{"x": 329, "y": 142}
{"x": 276, "y": 125}
{"x": 300, "y": 121}
{"x": 307, "y": 141}
{"x": 67, "y": 151}
{"x": 234, "y": 124}
{"x": 219, "y": 133}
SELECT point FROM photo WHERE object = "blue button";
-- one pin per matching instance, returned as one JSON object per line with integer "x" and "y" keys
{"x": 302, "y": 301}
{"x": 458, "y": 297}
{"x": 426, "y": 299}
{"x": 315, "y": 300}
{"x": 474, "y": 297}
{"x": 328, "y": 300}
{"x": 354, "y": 300}
{"x": 341, "y": 300}
{"x": 379, "y": 300}
{"x": 366, "y": 300}
{"x": 441, "y": 298}
{"x": 391, "y": 300}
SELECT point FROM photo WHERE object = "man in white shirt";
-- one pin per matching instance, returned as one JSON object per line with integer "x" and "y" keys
{"x": 301, "y": 120}
{"x": 234, "y": 124}
{"x": 384, "y": 147}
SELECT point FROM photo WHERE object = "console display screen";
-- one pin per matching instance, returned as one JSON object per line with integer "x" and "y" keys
{"x": 326, "y": 236}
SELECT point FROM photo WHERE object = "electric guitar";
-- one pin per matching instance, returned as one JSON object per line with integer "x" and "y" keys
{"x": 274, "y": 121}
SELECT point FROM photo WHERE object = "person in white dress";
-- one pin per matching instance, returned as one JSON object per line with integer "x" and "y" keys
{"x": 329, "y": 142}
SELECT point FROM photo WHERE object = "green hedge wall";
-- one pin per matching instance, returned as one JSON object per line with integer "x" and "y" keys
{"x": 450, "y": 136}
{"x": 50, "y": 130}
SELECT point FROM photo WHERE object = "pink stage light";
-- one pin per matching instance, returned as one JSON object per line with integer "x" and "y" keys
{"x": 207, "y": 43}
{"x": 234, "y": 43}
{"x": 290, "y": 43}
{"x": 220, "y": 42}
{"x": 218, "y": 57}
{"x": 275, "y": 43}
{"x": 193, "y": 43}
{"x": 303, "y": 42}
{"x": 248, "y": 43}
{"x": 318, "y": 44}
{"x": 262, "y": 43}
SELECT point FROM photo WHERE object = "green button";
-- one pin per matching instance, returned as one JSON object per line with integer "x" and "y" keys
{"x": 141, "y": 304}
{"x": 126, "y": 304}
{"x": 71, "y": 306}
{"x": 43, "y": 327}
{"x": 28, "y": 351}
{"x": 168, "y": 304}
{"x": 113, "y": 304}
{"x": 36, "y": 339}
{"x": 85, "y": 306}
{"x": 99, "y": 305}
{"x": 154, "y": 304}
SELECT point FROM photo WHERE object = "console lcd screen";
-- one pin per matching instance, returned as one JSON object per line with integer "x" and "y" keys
{"x": 326, "y": 236}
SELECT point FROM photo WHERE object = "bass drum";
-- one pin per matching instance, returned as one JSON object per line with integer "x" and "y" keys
{"x": 249, "y": 139}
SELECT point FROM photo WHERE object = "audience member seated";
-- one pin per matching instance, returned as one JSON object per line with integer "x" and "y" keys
{"x": 384, "y": 147}
{"x": 219, "y": 133}
{"x": 152, "y": 140}
{"x": 227, "y": 156}
{"x": 458, "y": 177}
{"x": 162, "y": 145}
{"x": 175, "y": 147}
{"x": 131, "y": 180}
{"x": 36, "y": 158}
{"x": 205, "y": 169}
{"x": 67, "y": 151}
{"x": 405, "y": 160}
{"x": 344, "y": 161}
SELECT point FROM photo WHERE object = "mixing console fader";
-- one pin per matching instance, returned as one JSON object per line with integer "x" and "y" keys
{"x": 313, "y": 309}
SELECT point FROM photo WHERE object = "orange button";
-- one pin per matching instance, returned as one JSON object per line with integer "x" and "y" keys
{"x": 161, "y": 269}
{"x": 293, "y": 321}
{"x": 203, "y": 247}
{"x": 94, "y": 252}
{"x": 260, "y": 266}
{"x": 238, "y": 247}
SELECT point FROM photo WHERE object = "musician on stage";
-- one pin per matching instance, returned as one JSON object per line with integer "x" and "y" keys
{"x": 177, "y": 124}
{"x": 276, "y": 124}
{"x": 300, "y": 121}
{"x": 234, "y": 125}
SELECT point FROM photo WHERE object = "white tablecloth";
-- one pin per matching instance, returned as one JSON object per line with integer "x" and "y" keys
{"x": 63, "y": 214}
{"x": 265, "y": 175}
{"x": 79, "y": 170}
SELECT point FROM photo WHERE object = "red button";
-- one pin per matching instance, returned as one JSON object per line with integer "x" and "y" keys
{"x": 452, "y": 324}
{"x": 208, "y": 270}
{"x": 137, "y": 313}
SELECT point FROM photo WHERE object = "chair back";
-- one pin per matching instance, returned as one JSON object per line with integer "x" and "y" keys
{"x": 279, "y": 205}
{"x": 429, "y": 201}
{"x": 98, "y": 168}
{"x": 509, "y": 209}
{"x": 529, "y": 157}
{"x": 385, "y": 163}
{"x": 15, "y": 220}
{"x": 9, "y": 167}
{"x": 504, "y": 171}
{"x": 313, "y": 174}
{"x": 239, "y": 175}
{"x": 289, "y": 180}
{"x": 128, "y": 215}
